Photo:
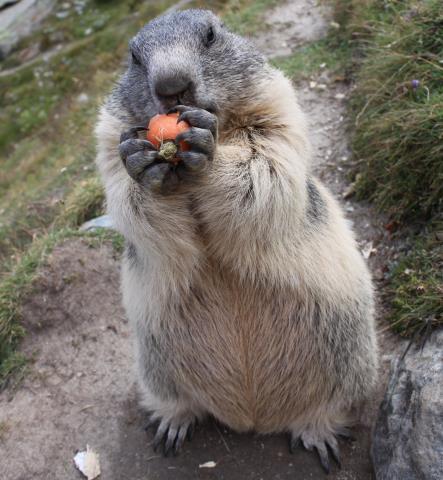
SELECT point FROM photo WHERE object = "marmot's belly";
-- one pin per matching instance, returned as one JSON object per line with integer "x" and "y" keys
{"x": 254, "y": 381}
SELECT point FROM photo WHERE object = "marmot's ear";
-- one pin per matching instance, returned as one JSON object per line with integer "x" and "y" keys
{"x": 133, "y": 50}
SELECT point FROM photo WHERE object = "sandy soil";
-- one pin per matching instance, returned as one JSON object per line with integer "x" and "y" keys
{"x": 80, "y": 386}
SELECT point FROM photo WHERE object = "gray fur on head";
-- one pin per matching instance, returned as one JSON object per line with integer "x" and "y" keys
{"x": 187, "y": 57}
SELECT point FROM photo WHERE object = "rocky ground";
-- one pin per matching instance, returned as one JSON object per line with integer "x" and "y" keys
{"x": 79, "y": 389}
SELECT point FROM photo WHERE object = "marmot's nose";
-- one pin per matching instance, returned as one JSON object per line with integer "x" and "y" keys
{"x": 174, "y": 90}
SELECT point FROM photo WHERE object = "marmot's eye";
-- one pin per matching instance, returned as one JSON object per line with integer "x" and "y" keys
{"x": 210, "y": 36}
{"x": 135, "y": 60}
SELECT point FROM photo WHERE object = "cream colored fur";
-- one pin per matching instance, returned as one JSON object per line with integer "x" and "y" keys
{"x": 261, "y": 317}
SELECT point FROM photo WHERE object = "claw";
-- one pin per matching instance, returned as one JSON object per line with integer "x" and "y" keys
{"x": 191, "y": 431}
{"x": 133, "y": 145}
{"x": 181, "y": 436}
{"x": 179, "y": 108}
{"x": 171, "y": 433}
{"x": 323, "y": 454}
{"x": 161, "y": 431}
{"x": 333, "y": 447}
{"x": 200, "y": 140}
{"x": 131, "y": 133}
{"x": 170, "y": 441}
{"x": 294, "y": 443}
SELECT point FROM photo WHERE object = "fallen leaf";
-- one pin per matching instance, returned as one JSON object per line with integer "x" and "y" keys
{"x": 349, "y": 192}
{"x": 88, "y": 463}
{"x": 368, "y": 250}
{"x": 210, "y": 464}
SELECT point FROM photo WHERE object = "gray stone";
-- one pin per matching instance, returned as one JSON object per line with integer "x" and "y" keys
{"x": 408, "y": 436}
{"x": 105, "y": 221}
{"x": 20, "y": 20}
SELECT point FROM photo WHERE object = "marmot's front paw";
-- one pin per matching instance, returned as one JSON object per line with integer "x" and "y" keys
{"x": 145, "y": 166}
{"x": 141, "y": 159}
{"x": 201, "y": 137}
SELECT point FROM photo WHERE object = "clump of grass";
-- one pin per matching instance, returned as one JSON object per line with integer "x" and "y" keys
{"x": 416, "y": 289}
{"x": 309, "y": 59}
{"x": 84, "y": 202}
{"x": 398, "y": 105}
{"x": 245, "y": 17}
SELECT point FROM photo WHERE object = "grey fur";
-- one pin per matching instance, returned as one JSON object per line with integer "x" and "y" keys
{"x": 317, "y": 210}
{"x": 220, "y": 72}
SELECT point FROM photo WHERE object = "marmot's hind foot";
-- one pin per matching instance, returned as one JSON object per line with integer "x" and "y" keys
{"x": 171, "y": 432}
{"x": 310, "y": 439}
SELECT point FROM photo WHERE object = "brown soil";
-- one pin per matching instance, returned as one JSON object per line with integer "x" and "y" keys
{"x": 80, "y": 388}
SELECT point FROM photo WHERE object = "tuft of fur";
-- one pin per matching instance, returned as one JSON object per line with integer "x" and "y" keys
{"x": 247, "y": 294}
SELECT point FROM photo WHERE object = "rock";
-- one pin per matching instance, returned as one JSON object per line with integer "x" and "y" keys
{"x": 7, "y": 3}
{"x": 105, "y": 221}
{"x": 20, "y": 20}
{"x": 408, "y": 436}
{"x": 83, "y": 98}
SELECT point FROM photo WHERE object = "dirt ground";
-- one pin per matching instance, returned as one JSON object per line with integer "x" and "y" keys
{"x": 80, "y": 387}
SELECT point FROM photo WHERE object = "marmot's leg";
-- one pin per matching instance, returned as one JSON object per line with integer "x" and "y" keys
{"x": 171, "y": 411}
{"x": 174, "y": 421}
{"x": 321, "y": 432}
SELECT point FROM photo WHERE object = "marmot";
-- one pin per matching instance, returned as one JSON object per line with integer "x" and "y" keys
{"x": 248, "y": 296}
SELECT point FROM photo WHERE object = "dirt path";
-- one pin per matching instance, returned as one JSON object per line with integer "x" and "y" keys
{"x": 80, "y": 387}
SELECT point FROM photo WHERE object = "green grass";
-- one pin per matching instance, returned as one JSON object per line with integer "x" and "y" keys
{"x": 416, "y": 288}
{"x": 396, "y": 60}
{"x": 398, "y": 137}
{"x": 84, "y": 202}
{"x": 246, "y": 17}
{"x": 310, "y": 59}
{"x": 46, "y": 141}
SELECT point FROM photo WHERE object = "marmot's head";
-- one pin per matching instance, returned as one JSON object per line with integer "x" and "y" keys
{"x": 189, "y": 58}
